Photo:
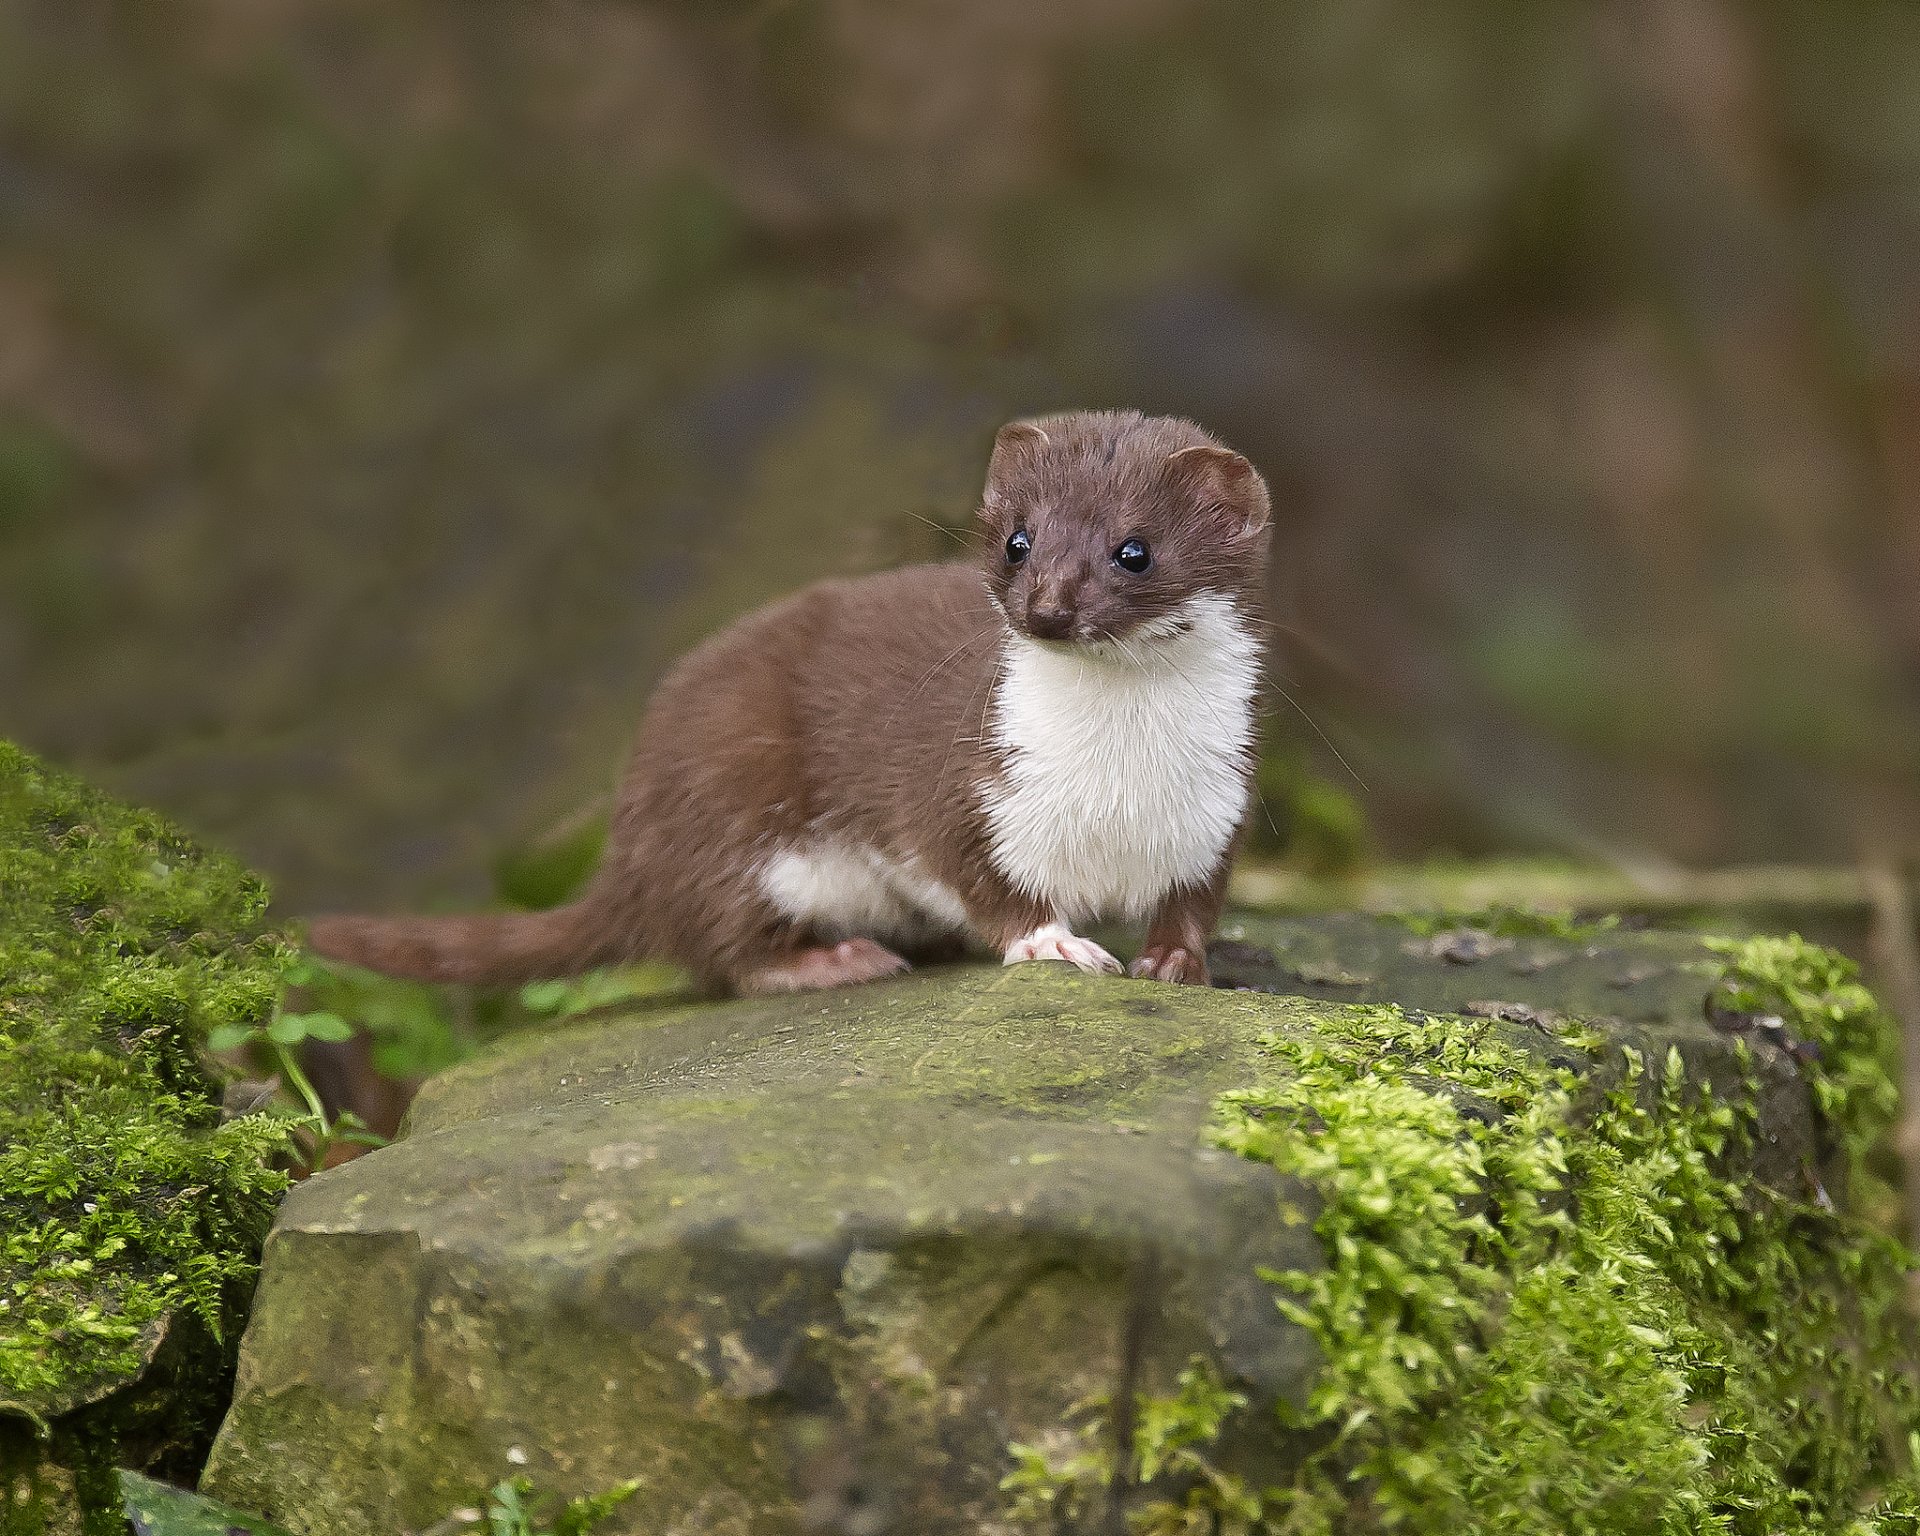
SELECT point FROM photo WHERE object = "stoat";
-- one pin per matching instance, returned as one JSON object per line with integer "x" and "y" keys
{"x": 878, "y": 770}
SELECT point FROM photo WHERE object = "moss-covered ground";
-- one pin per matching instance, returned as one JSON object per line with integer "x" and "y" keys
{"x": 131, "y": 1215}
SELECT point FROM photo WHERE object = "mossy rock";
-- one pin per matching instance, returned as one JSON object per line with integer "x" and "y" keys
{"x": 913, "y": 1257}
{"x": 130, "y": 1216}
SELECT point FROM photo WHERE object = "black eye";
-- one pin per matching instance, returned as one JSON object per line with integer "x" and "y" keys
{"x": 1133, "y": 556}
{"x": 1018, "y": 545}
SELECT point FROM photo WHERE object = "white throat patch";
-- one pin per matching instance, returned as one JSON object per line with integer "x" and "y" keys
{"x": 1126, "y": 768}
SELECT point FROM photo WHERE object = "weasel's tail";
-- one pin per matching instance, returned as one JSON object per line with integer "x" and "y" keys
{"x": 487, "y": 948}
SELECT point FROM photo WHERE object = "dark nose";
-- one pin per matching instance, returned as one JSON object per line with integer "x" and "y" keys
{"x": 1050, "y": 620}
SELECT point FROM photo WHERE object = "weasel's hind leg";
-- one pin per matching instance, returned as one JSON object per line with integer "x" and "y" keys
{"x": 838, "y": 965}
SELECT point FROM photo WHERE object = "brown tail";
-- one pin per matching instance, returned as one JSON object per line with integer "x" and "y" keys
{"x": 487, "y": 948}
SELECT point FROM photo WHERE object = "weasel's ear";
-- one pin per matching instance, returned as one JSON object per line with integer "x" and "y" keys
{"x": 1014, "y": 444}
{"x": 1221, "y": 477}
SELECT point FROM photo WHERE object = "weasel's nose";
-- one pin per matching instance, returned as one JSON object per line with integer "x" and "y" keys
{"x": 1050, "y": 621}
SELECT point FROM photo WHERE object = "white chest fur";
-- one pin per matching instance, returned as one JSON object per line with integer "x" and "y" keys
{"x": 1126, "y": 771}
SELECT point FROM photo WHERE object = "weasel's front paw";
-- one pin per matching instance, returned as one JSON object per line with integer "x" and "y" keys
{"x": 1171, "y": 963}
{"x": 1054, "y": 941}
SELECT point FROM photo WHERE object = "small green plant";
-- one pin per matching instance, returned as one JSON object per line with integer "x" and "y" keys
{"x": 417, "y": 1029}
{"x": 1169, "y": 1427}
{"x": 565, "y": 997}
{"x": 159, "y": 1509}
{"x": 1060, "y": 1481}
{"x": 413, "y": 1026}
{"x": 515, "y": 1507}
{"x": 279, "y": 1039}
{"x": 1054, "y": 1484}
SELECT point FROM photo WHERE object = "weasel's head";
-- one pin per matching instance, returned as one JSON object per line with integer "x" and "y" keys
{"x": 1104, "y": 527}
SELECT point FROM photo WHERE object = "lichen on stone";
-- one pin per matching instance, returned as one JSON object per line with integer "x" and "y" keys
{"x": 128, "y": 1210}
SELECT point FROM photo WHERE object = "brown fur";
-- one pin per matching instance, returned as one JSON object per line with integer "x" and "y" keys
{"x": 858, "y": 709}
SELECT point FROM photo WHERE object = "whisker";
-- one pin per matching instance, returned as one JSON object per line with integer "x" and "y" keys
{"x": 1319, "y": 648}
{"x": 1128, "y": 652}
{"x": 936, "y": 667}
{"x": 1339, "y": 756}
{"x": 960, "y": 726}
{"x": 1260, "y": 799}
{"x": 966, "y": 539}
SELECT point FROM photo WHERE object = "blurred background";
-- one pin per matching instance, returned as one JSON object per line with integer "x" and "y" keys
{"x": 390, "y": 389}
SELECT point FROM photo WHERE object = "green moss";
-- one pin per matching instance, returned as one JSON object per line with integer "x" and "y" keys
{"x": 1551, "y": 1303}
{"x": 1819, "y": 996}
{"x": 1692, "y": 1353}
{"x": 1063, "y": 1483}
{"x": 1509, "y": 920}
{"x": 131, "y": 1214}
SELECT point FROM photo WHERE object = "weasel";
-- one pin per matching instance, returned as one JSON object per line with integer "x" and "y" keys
{"x": 881, "y": 769}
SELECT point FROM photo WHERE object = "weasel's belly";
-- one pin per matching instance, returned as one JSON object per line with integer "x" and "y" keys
{"x": 1122, "y": 782}
{"x": 847, "y": 890}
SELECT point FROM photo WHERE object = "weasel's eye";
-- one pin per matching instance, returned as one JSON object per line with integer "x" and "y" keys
{"x": 1133, "y": 556}
{"x": 1018, "y": 546}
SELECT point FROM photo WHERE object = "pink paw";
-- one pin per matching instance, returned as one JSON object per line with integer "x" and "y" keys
{"x": 1171, "y": 964}
{"x": 843, "y": 965}
{"x": 1054, "y": 941}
